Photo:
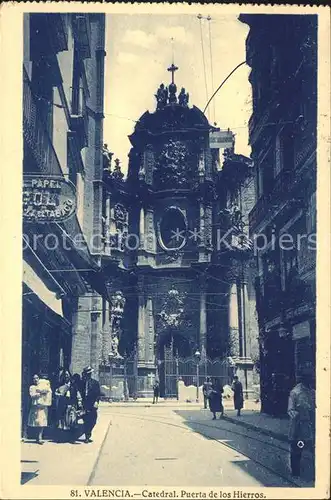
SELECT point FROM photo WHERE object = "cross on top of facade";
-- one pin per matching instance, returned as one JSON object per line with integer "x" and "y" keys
{"x": 172, "y": 69}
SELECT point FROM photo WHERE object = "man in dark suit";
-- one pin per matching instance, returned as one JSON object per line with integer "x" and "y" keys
{"x": 91, "y": 398}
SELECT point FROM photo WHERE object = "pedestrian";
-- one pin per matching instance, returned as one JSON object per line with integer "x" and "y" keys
{"x": 156, "y": 391}
{"x": 68, "y": 402}
{"x": 301, "y": 410}
{"x": 41, "y": 398}
{"x": 215, "y": 399}
{"x": 91, "y": 396}
{"x": 206, "y": 388}
{"x": 238, "y": 397}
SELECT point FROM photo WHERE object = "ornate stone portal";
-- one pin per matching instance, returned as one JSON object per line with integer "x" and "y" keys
{"x": 173, "y": 199}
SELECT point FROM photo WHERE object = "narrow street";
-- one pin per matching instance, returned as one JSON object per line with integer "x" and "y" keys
{"x": 166, "y": 446}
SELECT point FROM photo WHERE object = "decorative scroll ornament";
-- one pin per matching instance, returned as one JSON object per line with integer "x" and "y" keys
{"x": 172, "y": 163}
{"x": 172, "y": 313}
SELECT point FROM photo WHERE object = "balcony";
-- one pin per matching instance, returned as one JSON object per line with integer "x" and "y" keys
{"x": 269, "y": 202}
{"x": 35, "y": 134}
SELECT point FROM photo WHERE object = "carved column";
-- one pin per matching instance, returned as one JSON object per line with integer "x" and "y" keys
{"x": 241, "y": 316}
{"x": 202, "y": 223}
{"x": 112, "y": 222}
{"x": 245, "y": 317}
{"x": 201, "y": 234}
{"x": 142, "y": 228}
{"x": 96, "y": 332}
{"x": 141, "y": 323}
{"x": 234, "y": 321}
{"x": 107, "y": 228}
{"x": 203, "y": 317}
{"x": 149, "y": 328}
{"x": 106, "y": 334}
{"x": 208, "y": 226}
{"x": 149, "y": 164}
{"x": 150, "y": 243}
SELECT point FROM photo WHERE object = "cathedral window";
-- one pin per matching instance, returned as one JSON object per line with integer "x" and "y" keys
{"x": 172, "y": 229}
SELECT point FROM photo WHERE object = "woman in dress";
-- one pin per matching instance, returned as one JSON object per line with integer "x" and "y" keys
{"x": 41, "y": 398}
{"x": 69, "y": 400}
{"x": 215, "y": 399}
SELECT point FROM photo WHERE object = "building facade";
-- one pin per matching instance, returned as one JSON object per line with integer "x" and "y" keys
{"x": 63, "y": 74}
{"x": 168, "y": 269}
{"x": 282, "y": 52}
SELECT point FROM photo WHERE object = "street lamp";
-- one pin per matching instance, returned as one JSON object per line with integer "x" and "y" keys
{"x": 197, "y": 356}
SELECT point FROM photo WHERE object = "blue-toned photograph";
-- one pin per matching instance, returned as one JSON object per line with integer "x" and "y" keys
{"x": 169, "y": 250}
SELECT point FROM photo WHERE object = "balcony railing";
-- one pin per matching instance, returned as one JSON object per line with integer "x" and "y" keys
{"x": 36, "y": 135}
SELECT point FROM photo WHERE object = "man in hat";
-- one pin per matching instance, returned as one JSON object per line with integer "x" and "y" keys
{"x": 301, "y": 410}
{"x": 90, "y": 398}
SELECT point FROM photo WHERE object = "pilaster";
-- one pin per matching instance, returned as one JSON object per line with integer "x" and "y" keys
{"x": 233, "y": 321}
{"x": 81, "y": 334}
{"x": 96, "y": 333}
{"x": 141, "y": 322}
{"x": 106, "y": 334}
{"x": 150, "y": 329}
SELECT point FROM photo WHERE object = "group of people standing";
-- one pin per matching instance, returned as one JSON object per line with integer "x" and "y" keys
{"x": 212, "y": 394}
{"x": 76, "y": 397}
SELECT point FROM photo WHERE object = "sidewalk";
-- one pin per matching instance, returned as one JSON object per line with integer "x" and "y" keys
{"x": 265, "y": 424}
{"x": 62, "y": 463}
{"x": 168, "y": 403}
{"x": 251, "y": 418}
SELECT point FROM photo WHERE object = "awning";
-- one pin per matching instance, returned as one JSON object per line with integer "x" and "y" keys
{"x": 32, "y": 280}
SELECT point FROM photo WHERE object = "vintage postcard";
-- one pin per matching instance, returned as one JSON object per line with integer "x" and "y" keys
{"x": 166, "y": 241}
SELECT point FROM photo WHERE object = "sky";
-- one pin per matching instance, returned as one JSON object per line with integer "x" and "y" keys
{"x": 139, "y": 50}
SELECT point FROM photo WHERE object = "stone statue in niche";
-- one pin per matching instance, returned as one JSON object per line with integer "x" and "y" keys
{"x": 117, "y": 308}
{"x": 118, "y": 303}
{"x": 141, "y": 172}
{"x": 120, "y": 213}
{"x": 201, "y": 164}
{"x": 106, "y": 158}
{"x": 183, "y": 98}
{"x": 117, "y": 173}
{"x": 161, "y": 96}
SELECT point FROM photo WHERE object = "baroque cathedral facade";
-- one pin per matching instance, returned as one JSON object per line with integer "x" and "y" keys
{"x": 177, "y": 253}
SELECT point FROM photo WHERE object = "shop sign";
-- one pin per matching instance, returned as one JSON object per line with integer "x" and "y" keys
{"x": 47, "y": 199}
{"x": 221, "y": 139}
{"x": 301, "y": 330}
